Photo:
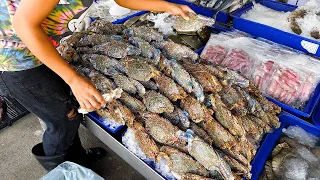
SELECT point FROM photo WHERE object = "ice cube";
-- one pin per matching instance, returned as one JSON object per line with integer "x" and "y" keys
{"x": 303, "y": 137}
{"x": 307, "y": 155}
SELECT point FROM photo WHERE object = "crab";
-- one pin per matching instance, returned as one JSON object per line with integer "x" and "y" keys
{"x": 176, "y": 51}
{"x": 236, "y": 167}
{"x": 220, "y": 136}
{"x": 163, "y": 131}
{"x": 235, "y": 154}
{"x": 96, "y": 39}
{"x": 178, "y": 118}
{"x": 115, "y": 111}
{"x": 181, "y": 163}
{"x": 146, "y": 33}
{"x": 115, "y": 49}
{"x": 157, "y": 103}
{"x": 232, "y": 100}
{"x": 208, "y": 81}
{"x": 201, "y": 133}
{"x": 225, "y": 118}
{"x": 134, "y": 104}
{"x": 75, "y": 38}
{"x": 169, "y": 88}
{"x": 208, "y": 157}
{"x": 197, "y": 112}
{"x": 127, "y": 84}
{"x": 68, "y": 53}
{"x": 102, "y": 83}
{"x": 193, "y": 25}
{"x": 190, "y": 176}
{"x": 139, "y": 70}
{"x": 249, "y": 125}
{"x": 147, "y": 50}
{"x": 149, "y": 85}
{"x": 105, "y": 27}
{"x": 145, "y": 142}
{"x": 101, "y": 62}
{"x": 173, "y": 69}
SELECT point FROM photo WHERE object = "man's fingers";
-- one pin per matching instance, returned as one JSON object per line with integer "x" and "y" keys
{"x": 99, "y": 98}
{"x": 88, "y": 105}
{"x": 94, "y": 103}
{"x": 82, "y": 105}
{"x": 188, "y": 9}
{"x": 184, "y": 15}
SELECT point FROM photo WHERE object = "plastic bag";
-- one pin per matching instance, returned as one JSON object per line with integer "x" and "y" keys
{"x": 71, "y": 171}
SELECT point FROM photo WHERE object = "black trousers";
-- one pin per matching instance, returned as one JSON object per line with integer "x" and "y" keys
{"x": 45, "y": 94}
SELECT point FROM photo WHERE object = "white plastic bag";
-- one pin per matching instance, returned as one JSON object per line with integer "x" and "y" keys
{"x": 71, "y": 171}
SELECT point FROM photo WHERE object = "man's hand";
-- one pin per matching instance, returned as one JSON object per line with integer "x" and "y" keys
{"x": 86, "y": 94}
{"x": 179, "y": 10}
{"x": 157, "y": 6}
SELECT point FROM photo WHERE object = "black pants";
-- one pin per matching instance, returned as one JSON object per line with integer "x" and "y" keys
{"x": 45, "y": 94}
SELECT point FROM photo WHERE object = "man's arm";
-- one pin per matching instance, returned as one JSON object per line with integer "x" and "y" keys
{"x": 27, "y": 24}
{"x": 156, "y": 5}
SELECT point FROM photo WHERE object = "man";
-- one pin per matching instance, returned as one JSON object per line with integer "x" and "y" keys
{"x": 36, "y": 75}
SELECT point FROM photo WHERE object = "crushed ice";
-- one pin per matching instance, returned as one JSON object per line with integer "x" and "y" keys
{"x": 159, "y": 22}
{"x": 267, "y": 16}
{"x": 130, "y": 142}
{"x": 163, "y": 168}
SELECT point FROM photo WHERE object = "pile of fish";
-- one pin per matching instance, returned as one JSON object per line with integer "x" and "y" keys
{"x": 279, "y": 72}
{"x": 195, "y": 121}
{"x": 296, "y": 157}
{"x": 304, "y": 21}
{"x": 227, "y": 6}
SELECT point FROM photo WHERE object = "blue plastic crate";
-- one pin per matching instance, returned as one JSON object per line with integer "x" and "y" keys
{"x": 316, "y": 116}
{"x": 94, "y": 116}
{"x": 308, "y": 109}
{"x": 270, "y": 33}
{"x": 271, "y": 141}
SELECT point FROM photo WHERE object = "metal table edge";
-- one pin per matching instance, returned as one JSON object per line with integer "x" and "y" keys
{"x": 121, "y": 151}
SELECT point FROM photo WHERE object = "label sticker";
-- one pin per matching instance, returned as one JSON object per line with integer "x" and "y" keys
{"x": 310, "y": 47}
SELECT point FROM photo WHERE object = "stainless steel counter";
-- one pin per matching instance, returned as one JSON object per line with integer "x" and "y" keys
{"x": 122, "y": 151}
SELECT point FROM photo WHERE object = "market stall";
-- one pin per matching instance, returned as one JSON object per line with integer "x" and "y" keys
{"x": 177, "y": 110}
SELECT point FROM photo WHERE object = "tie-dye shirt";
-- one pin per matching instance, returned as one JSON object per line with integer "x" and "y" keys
{"x": 14, "y": 55}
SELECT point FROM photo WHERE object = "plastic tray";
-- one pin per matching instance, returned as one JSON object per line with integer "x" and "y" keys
{"x": 273, "y": 34}
{"x": 94, "y": 116}
{"x": 271, "y": 141}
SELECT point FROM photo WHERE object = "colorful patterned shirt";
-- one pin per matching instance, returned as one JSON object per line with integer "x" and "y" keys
{"x": 14, "y": 55}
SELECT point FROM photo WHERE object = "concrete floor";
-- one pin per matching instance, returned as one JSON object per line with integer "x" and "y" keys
{"x": 17, "y": 162}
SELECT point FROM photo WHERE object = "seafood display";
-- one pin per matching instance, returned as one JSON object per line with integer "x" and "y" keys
{"x": 266, "y": 64}
{"x": 185, "y": 118}
{"x": 295, "y": 157}
{"x": 303, "y": 21}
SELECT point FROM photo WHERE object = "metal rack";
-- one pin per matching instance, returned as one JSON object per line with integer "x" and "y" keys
{"x": 122, "y": 151}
